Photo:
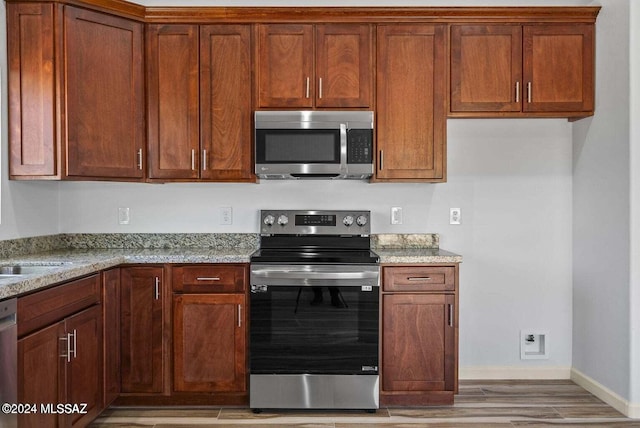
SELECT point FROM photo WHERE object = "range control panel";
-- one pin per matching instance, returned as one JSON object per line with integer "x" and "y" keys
{"x": 320, "y": 222}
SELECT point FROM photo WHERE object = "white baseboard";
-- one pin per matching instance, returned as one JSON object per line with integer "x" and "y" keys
{"x": 507, "y": 372}
{"x": 631, "y": 410}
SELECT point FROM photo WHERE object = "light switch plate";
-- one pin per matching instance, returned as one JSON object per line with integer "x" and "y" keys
{"x": 396, "y": 215}
{"x": 123, "y": 215}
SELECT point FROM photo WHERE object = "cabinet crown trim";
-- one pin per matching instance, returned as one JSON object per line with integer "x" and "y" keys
{"x": 451, "y": 14}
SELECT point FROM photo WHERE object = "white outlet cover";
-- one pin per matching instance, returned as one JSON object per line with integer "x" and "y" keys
{"x": 123, "y": 215}
{"x": 396, "y": 215}
{"x": 455, "y": 216}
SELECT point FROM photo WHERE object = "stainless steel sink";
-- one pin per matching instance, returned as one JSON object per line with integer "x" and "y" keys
{"x": 27, "y": 269}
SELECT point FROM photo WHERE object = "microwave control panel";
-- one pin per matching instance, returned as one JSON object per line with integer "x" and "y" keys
{"x": 360, "y": 146}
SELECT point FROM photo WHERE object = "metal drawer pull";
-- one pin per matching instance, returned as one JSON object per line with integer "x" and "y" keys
{"x": 239, "y": 315}
{"x": 518, "y": 92}
{"x": 204, "y": 160}
{"x": 321, "y": 88}
{"x": 193, "y": 160}
{"x": 419, "y": 278}
{"x": 529, "y": 92}
{"x": 66, "y": 354}
{"x": 204, "y": 278}
{"x": 307, "y": 93}
{"x": 450, "y": 315}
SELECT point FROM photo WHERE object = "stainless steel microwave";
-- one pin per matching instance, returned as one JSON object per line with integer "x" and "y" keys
{"x": 314, "y": 144}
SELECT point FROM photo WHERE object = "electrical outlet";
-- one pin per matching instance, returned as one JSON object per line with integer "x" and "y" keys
{"x": 455, "y": 216}
{"x": 226, "y": 215}
{"x": 396, "y": 215}
{"x": 123, "y": 215}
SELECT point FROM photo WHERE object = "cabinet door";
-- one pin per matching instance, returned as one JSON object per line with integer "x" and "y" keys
{"x": 32, "y": 130}
{"x": 173, "y": 97}
{"x": 343, "y": 68}
{"x": 111, "y": 334}
{"x": 84, "y": 370}
{"x": 225, "y": 91}
{"x": 142, "y": 295}
{"x": 418, "y": 344}
{"x": 209, "y": 342}
{"x": 41, "y": 374}
{"x": 104, "y": 95}
{"x": 559, "y": 68}
{"x": 411, "y": 103}
{"x": 486, "y": 68}
{"x": 285, "y": 66}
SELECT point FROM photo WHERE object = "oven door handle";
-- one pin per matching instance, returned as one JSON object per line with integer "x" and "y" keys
{"x": 302, "y": 274}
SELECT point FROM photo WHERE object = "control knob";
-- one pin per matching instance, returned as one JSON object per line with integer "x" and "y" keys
{"x": 283, "y": 220}
{"x": 269, "y": 219}
{"x": 361, "y": 220}
{"x": 348, "y": 220}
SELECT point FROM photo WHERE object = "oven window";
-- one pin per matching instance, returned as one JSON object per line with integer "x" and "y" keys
{"x": 315, "y": 330}
{"x": 297, "y": 146}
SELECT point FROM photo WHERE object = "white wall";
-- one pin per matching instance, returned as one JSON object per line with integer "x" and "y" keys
{"x": 27, "y": 209}
{"x": 601, "y": 213}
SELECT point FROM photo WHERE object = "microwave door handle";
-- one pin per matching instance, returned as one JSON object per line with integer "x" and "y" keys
{"x": 343, "y": 149}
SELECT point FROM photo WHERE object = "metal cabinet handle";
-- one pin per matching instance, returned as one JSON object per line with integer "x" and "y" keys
{"x": 381, "y": 160}
{"x": 528, "y": 92}
{"x": 239, "y": 315}
{"x": 193, "y": 160}
{"x": 157, "y": 288}
{"x": 204, "y": 160}
{"x": 308, "y": 81}
{"x": 204, "y": 278}
{"x": 140, "y": 159}
{"x": 419, "y": 278}
{"x": 320, "y": 88}
{"x": 74, "y": 351}
{"x": 450, "y": 315}
{"x": 518, "y": 91}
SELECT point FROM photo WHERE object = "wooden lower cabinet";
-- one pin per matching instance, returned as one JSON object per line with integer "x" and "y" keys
{"x": 209, "y": 343}
{"x": 419, "y": 336}
{"x": 143, "y": 318}
{"x": 62, "y": 363}
{"x": 210, "y": 333}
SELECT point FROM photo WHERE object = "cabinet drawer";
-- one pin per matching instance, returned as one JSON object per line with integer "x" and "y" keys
{"x": 45, "y": 307}
{"x": 222, "y": 278}
{"x": 418, "y": 278}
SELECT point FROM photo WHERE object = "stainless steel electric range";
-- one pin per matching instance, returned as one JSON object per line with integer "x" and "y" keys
{"x": 314, "y": 308}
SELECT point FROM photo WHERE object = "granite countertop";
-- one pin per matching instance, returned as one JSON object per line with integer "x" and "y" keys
{"x": 70, "y": 264}
{"x": 87, "y": 254}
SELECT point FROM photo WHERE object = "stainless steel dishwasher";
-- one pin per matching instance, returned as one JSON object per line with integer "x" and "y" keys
{"x": 8, "y": 361}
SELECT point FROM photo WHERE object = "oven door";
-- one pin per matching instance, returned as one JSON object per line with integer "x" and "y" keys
{"x": 314, "y": 320}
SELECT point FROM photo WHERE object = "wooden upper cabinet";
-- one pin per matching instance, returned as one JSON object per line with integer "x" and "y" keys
{"x": 411, "y": 116}
{"x": 173, "y": 101}
{"x": 226, "y": 127}
{"x": 559, "y": 68}
{"x": 522, "y": 70}
{"x": 76, "y": 93}
{"x": 307, "y": 66}
{"x": 486, "y": 67}
{"x": 104, "y": 84}
{"x": 33, "y": 146}
{"x": 199, "y": 102}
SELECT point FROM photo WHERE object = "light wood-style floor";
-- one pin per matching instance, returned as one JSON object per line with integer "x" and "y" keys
{"x": 531, "y": 404}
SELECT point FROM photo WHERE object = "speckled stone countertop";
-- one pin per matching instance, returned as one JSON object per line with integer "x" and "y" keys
{"x": 73, "y": 256}
{"x": 69, "y": 264}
